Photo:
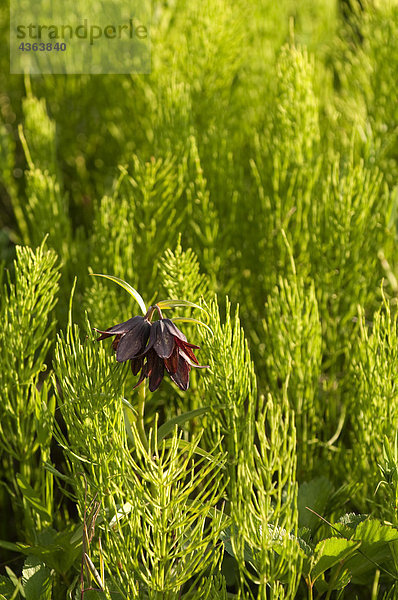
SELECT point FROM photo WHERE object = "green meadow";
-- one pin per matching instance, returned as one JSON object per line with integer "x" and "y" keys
{"x": 247, "y": 190}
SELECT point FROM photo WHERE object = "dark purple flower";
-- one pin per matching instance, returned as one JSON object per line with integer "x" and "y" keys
{"x": 168, "y": 348}
{"x": 152, "y": 348}
{"x": 131, "y": 338}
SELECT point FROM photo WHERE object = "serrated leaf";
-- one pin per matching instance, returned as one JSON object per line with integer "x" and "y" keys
{"x": 168, "y": 427}
{"x": 126, "y": 286}
{"x": 315, "y": 495}
{"x": 94, "y": 595}
{"x": 352, "y": 520}
{"x": 342, "y": 580}
{"x": 55, "y": 549}
{"x": 225, "y": 536}
{"x": 191, "y": 320}
{"x": 330, "y": 552}
{"x": 36, "y": 578}
{"x": 376, "y": 552}
{"x": 6, "y": 586}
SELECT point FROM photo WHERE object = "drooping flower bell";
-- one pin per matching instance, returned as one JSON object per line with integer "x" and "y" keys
{"x": 152, "y": 348}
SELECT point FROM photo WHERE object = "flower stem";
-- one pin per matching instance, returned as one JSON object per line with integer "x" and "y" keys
{"x": 140, "y": 416}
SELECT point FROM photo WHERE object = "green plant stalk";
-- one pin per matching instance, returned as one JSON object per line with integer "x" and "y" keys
{"x": 309, "y": 586}
{"x": 140, "y": 416}
{"x": 26, "y": 472}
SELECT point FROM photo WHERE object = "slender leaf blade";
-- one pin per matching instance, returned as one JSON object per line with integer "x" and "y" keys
{"x": 168, "y": 427}
{"x": 126, "y": 286}
{"x": 165, "y": 304}
{"x": 191, "y": 320}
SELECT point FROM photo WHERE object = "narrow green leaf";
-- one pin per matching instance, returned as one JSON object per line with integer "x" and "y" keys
{"x": 33, "y": 498}
{"x": 15, "y": 581}
{"x": 164, "y": 304}
{"x": 183, "y": 444}
{"x": 128, "y": 424}
{"x": 51, "y": 469}
{"x": 191, "y": 320}
{"x": 9, "y": 546}
{"x": 93, "y": 571}
{"x": 168, "y": 427}
{"x": 129, "y": 406}
{"x": 125, "y": 286}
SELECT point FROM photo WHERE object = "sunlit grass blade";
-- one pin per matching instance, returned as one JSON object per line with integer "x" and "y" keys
{"x": 191, "y": 320}
{"x": 176, "y": 303}
{"x": 125, "y": 286}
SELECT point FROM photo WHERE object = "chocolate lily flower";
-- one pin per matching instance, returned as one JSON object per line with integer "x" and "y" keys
{"x": 130, "y": 340}
{"x": 168, "y": 348}
{"x": 152, "y": 348}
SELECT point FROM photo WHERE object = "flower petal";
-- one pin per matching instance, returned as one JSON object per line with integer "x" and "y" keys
{"x": 181, "y": 377}
{"x": 171, "y": 363}
{"x": 115, "y": 342}
{"x": 161, "y": 340}
{"x": 188, "y": 360}
{"x": 142, "y": 377}
{"x": 174, "y": 330}
{"x": 156, "y": 374}
{"x": 187, "y": 349}
{"x": 120, "y": 328}
{"x": 137, "y": 364}
{"x": 133, "y": 342}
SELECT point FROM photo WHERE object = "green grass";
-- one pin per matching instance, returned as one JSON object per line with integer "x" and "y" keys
{"x": 253, "y": 172}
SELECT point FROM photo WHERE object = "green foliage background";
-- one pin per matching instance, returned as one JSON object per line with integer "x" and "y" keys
{"x": 254, "y": 171}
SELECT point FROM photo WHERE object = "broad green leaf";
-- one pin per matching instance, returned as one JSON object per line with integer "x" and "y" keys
{"x": 330, "y": 552}
{"x": 225, "y": 536}
{"x": 96, "y": 595}
{"x": 6, "y": 587}
{"x": 126, "y": 286}
{"x": 164, "y": 304}
{"x": 33, "y": 498}
{"x": 376, "y": 551}
{"x": 168, "y": 427}
{"x": 55, "y": 549}
{"x": 191, "y": 320}
{"x": 315, "y": 495}
{"x": 36, "y": 579}
{"x": 351, "y": 520}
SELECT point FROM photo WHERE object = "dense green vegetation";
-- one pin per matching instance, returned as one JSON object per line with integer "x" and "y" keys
{"x": 253, "y": 172}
